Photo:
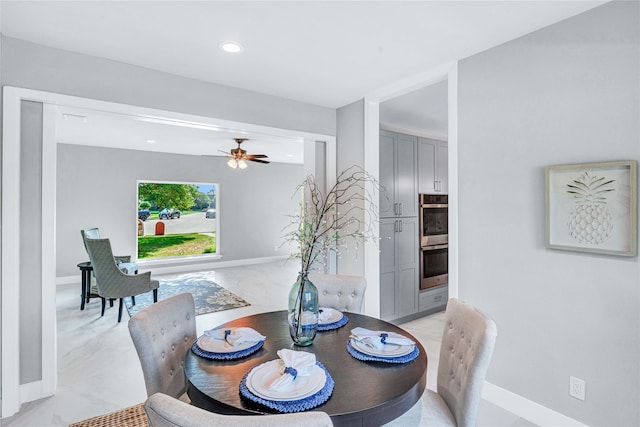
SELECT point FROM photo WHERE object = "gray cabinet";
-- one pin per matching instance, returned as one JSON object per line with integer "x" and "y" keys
{"x": 398, "y": 225}
{"x": 433, "y": 167}
{"x": 433, "y": 298}
{"x": 398, "y": 175}
{"x": 398, "y": 267}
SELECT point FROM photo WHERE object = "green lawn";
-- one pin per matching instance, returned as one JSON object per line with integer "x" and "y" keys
{"x": 172, "y": 245}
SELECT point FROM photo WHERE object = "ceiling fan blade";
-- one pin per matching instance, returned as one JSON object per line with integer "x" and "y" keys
{"x": 258, "y": 160}
{"x": 217, "y": 156}
{"x": 239, "y": 154}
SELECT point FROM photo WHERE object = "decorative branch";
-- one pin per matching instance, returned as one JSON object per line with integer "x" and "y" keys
{"x": 329, "y": 222}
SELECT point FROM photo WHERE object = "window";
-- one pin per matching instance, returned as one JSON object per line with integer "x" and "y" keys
{"x": 177, "y": 219}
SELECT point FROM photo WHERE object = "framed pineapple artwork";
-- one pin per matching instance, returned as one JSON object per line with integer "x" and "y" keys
{"x": 593, "y": 207}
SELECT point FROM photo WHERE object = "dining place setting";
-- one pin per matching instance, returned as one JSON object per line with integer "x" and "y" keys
{"x": 381, "y": 346}
{"x": 228, "y": 344}
{"x": 330, "y": 318}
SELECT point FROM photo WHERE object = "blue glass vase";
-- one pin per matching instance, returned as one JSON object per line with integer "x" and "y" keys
{"x": 303, "y": 311}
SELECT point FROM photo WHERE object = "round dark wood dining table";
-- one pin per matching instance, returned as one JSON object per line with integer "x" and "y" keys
{"x": 365, "y": 393}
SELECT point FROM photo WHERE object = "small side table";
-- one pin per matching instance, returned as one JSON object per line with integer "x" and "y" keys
{"x": 85, "y": 271}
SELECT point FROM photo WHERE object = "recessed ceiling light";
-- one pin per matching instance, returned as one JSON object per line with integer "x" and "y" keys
{"x": 151, "y": 141}
{"x": 230, "y": 46}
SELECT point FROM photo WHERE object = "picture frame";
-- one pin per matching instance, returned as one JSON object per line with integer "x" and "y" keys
{"x": 592, "y": 207}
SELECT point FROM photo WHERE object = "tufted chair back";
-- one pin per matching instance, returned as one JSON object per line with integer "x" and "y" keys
{"x": 465, "y": 353}
{"x": 162, "y": 333}
{"x": 339, "y": 291}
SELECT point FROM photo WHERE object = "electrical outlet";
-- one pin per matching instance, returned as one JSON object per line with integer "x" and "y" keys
{"x": 577, "y": 388}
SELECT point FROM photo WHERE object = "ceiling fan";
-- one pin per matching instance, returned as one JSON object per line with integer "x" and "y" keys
{"x": 237, "y": 156}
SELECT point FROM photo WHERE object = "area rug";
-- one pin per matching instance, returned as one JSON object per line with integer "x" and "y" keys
{"x": 209, "y": 297}
{"x": 133, "y": 416}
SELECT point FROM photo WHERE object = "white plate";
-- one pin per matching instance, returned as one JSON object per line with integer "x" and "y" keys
{"x": 334, "y": 317}
{"x": 261, "y": 377}
{"x": 387, "y": 350}
{"x": 215, "y": 345}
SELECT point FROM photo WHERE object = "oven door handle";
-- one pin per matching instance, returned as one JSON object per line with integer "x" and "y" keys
{"x": 435, "y": 206}
{"x": 434, "y": 247}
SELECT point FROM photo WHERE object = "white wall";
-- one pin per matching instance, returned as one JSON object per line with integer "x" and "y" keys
{"x": 97, "y": 187}
{"x": 30, "y": 237}
{"x": 566, "y": 94}
{"x": 350, "y": 151}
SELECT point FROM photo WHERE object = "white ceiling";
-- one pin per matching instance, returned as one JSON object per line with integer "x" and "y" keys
{"x": 103, "y": 129}
{"x": 328, "y": 53}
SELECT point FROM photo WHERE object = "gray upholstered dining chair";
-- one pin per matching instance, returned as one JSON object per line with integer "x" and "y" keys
{"x": 165, "y": 411}
{"x": 340, "y": 291}
{"x": 162, "y": 333}
{"x": 123, "y": 261}
{"x": 465, "y": 353}
{"x": 111, "y": 282}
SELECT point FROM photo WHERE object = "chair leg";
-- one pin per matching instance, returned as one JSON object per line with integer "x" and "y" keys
{"x": 155, "y": 295}
{"x": 104, "y": 303}
{"x": 120, "y": 310}
{"x": 133, "y": 300}
{"x": 110, "y": 302}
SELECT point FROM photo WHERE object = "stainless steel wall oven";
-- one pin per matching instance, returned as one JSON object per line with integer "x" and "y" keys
{"x": 434, "y": 240}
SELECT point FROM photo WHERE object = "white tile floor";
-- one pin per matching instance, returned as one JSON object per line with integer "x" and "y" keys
{"x": 99, "y": 371}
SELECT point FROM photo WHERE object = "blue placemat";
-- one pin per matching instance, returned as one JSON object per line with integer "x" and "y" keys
{"x": 225, "y": 356}
{"x": 368, "y": 358}
{"x": 335, "y": 325}
{"x": 292, "y": 405}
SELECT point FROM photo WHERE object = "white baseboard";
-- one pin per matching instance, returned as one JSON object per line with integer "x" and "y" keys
{"x": 212, "y": 265}
{"x": 157, "y": 268}
{"x": 67, "y": 280}
{"x": 525, "y": 408}
{"x": 32, "y": 391}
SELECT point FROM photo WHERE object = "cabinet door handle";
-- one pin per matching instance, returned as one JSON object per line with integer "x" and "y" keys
{"x": 395, "y": 208}
{"x": 395, "y": 226}
{"x": 400, "y": 226}
{"x": 400, "y": 213}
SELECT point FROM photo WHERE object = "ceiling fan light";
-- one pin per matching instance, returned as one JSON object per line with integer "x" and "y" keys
{"x": 242, "y": 164}
{"x": 233, "y": 163}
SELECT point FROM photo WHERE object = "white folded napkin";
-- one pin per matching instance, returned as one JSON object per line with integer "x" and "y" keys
{"x": 325, "y": 314}
{"x": 378, "y": 339}
{"x": 236, "y": 336}
{"x": 296, "y": 363}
